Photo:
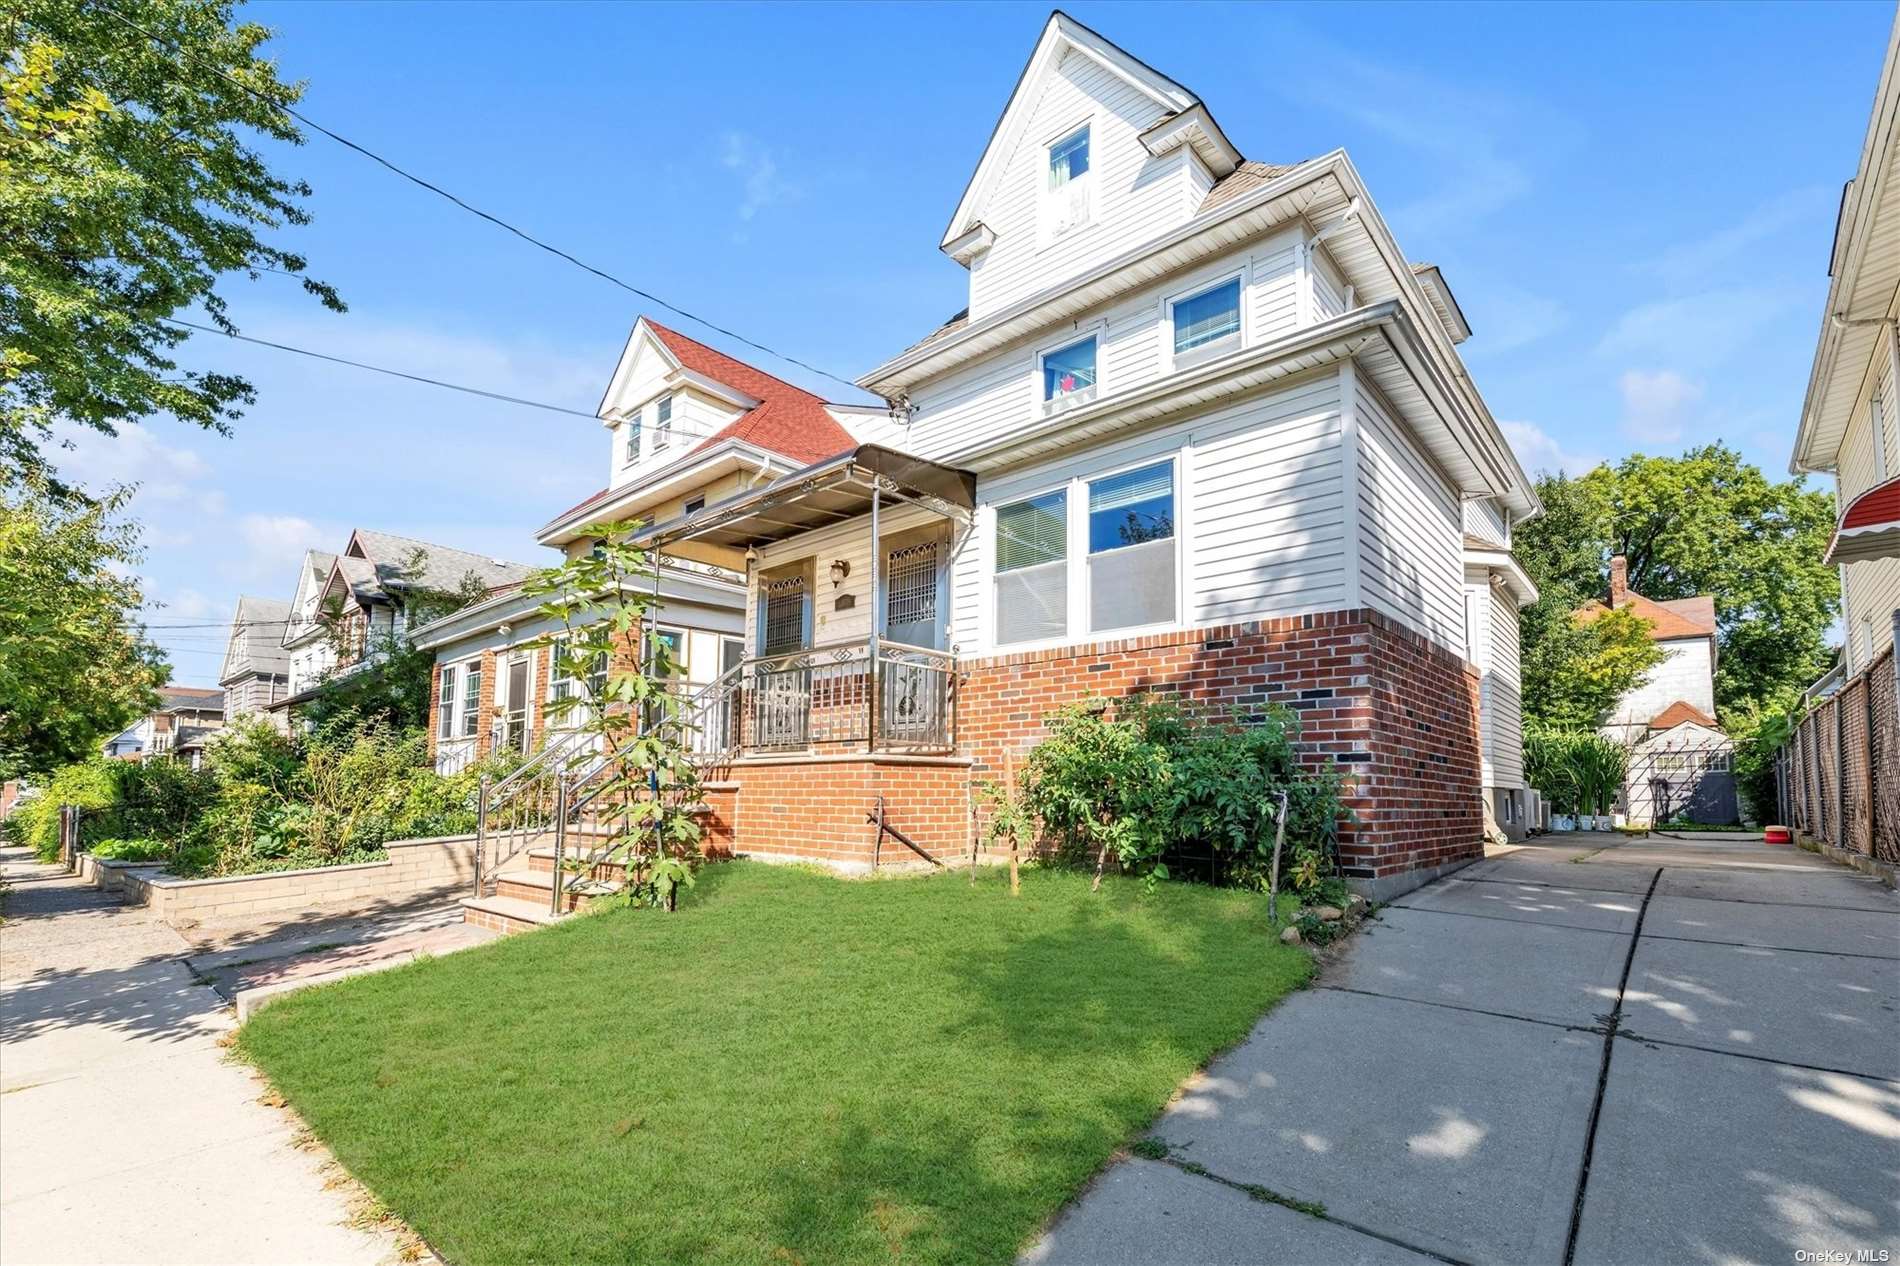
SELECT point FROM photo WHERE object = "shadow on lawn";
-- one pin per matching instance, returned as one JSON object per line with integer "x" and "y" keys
{"x": 1088, "y": 1041}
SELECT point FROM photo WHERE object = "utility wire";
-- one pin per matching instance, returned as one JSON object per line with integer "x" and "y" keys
{"x": 440, "y": 192}
{"x": 380, "y": 369}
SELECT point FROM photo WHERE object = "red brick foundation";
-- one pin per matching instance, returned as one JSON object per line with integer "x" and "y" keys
{"x": 1396, "y": 711}
{"x": 814, "y": 808}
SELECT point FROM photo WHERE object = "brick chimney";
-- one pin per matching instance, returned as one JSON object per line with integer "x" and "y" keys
{"x": 1619, "y": 581}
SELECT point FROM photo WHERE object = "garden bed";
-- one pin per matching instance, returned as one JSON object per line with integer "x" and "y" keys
{"x": 792, "y": 1068}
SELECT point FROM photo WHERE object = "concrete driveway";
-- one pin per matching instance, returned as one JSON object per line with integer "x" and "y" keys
{"x": 1654, "y": 1052}
{"x": 125, "y": 1135}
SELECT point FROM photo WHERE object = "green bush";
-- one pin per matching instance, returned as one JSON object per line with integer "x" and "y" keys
{"x": 1151, "y": 780}
{"x": 1578, "y": 771}
{"x": 35, "y": 823}
{"x": 141, "y": 850}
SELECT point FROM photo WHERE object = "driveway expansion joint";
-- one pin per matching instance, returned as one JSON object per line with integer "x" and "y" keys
{"x": 1599, "y": 1028}
{"x": 1654, "y": 1042}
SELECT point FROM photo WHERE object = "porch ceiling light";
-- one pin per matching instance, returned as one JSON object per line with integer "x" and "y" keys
{"x": 840, "y": 568}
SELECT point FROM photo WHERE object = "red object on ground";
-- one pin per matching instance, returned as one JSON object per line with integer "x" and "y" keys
{"x": 1776, "y": 835}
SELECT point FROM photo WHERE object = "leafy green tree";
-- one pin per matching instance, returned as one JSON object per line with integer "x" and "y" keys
{"x": 1574, "y": 672}
{"x": 128, "y": 189}
{"x": 649, "y": 786}
{"x": 75, "y": 667}
{"x": 1703, "y": 523}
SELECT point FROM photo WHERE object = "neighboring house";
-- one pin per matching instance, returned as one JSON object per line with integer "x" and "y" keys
{"x": 1678, "y": 754}
{"x": 349, "y": 605}
{"x": 687, "y": 426}
{"x": 179, "y": 728}
{"x": 256, "y": 669}
{"x": 1495, "y": 587}
{"x": 1202, "y": 427}
{"x": 1850, "y": 419}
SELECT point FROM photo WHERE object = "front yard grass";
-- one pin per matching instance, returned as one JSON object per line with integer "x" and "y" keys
{"x": 792, "y": 1069}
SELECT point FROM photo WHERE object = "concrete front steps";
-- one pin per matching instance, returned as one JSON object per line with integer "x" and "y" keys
{"x": 523, "y": 896}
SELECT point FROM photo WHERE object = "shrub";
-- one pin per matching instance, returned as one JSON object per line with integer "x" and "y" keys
{"x": 35, "y": 823}
{"x": 1578, "y": 771}
{"x": 140, "y": 850}
{"x": 1153, "y": 780}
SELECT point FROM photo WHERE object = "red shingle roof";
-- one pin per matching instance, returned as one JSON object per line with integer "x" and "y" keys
{"x": 787, "y": 420}
{"x": 1677, "y": 713}
{"x": 1683, "y": 617}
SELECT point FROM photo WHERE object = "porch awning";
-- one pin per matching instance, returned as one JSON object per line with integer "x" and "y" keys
{"x": 829, "y": 491}
{"x": 1870, "y": 528}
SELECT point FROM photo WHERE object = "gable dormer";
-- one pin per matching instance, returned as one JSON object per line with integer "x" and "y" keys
{"x": 658, "y": 408}
{"x": 1095, "y": 154}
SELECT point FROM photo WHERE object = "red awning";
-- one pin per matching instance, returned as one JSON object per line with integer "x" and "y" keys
{"x": 1871, "y": 526}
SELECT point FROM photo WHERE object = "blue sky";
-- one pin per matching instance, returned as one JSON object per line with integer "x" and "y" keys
{"x": 1634, "y": 204}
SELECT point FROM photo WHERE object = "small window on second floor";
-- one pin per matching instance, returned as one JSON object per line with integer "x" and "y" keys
{"x": 1069, "y": 371}
{"x": 1068, "y": 184}
{"x": 1208, "y": 319}
{"x": 694, "y": 506}
{"x": 1069, "y": 158}
{"x": 633, "y": 435}
{"x": 662, "y": 423}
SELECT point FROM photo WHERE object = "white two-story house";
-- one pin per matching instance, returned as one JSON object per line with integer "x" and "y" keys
{"x": 1202, "y": 427}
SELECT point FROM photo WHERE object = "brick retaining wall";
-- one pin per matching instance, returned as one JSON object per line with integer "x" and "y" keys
{"x": 813, "y": 807}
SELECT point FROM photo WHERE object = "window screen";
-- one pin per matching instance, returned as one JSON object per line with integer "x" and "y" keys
{"x": 784, "y": 615}
{"x": 663, "y": 422}
{"x": 1207, "y": 317}
{"x": 1131, "y": 548}
{"x": 1032, "y": 569}
{"x": 1069, "y": 371}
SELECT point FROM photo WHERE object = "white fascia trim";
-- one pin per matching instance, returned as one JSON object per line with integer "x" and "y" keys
{"x": 626, "y": 359}
{"x": 660, "y": 484}
{"x": 1060, "y": 33}
{"x": 1307, "y": 172}
{"x": 1195, "y": 128}
{"x": 965, "y": 249}
{"x": 1860, "y": 203}
{"x": 676, "y": 586}
{"x": 683, "y": 377}
{"x": 1501, "y": 562}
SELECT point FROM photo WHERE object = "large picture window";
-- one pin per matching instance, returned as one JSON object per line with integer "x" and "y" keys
{"x": 1032, "y": 569}
{"x": 1208, "y": 319}
{"x": 1131, "y": 549}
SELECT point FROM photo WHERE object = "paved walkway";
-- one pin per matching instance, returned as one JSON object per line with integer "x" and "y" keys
{"x": 1660, "y": 1051}
{"x": 125, "y": 1136}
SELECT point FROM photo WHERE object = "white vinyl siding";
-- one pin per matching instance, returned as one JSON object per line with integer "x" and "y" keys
{"x": 1485, "y": 520}
{"x": 1502, "y": 694}
{"x": 1871, "y": 589}
{"x": 1410, "y": 528}
{"x": 1003, "y": 392}
{"x": 1259, "y": 512}
{"x": 1134, "y": 197}
{"x": 1329, "y": 288}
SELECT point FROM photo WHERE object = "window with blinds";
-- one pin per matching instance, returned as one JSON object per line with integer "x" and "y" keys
{"x": 1209, "y": 318}
{"x": 1131, "y": 549}
{"x": 1032, "y": 569}
{"x": 783, "y": 619}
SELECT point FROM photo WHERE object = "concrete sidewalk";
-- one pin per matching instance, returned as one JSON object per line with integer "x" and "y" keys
{"x": 1582, "y": 1051}
{"x": 125, "y": 1135}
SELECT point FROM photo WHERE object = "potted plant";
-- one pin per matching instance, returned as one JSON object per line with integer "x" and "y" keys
{"x": 1600, "y": 765}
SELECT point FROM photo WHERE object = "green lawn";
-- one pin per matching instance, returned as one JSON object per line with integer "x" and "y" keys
{"x": 792, "y": 1069}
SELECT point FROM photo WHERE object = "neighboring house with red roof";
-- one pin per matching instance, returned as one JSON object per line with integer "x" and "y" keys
{"x": 687, "y": 426}
{"x": 1678, "y": 753}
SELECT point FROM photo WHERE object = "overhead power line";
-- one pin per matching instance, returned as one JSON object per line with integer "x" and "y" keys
{"x": 495, "y": 220}
{"x": 380, "y": 369}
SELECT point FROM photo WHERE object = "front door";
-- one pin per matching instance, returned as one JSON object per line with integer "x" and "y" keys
{"x": 913, "y": 688}
{"x": 516, "y": 703}
{"x": 781, "y": 686}
{"x": 912, "y": 596}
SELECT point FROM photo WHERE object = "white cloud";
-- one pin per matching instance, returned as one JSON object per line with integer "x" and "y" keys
{"x": 1697, "y": 332}
{"x": 1695, "y": 262}
{"x": 1655, "y": 402}
{"x": 135, "y": 455}
{"x": 1539, "y": 452}
{"x": 761, "y": 186}
{"x": 269, "y": 547}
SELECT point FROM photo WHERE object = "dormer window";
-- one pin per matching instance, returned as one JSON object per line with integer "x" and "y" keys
{"x": 634, "y": 420}
{"x": 1068, "y": 184}
{"x": 1068, "y": 374}
{"x": 1207, "y": 322}
{"x": 662, "y": 423}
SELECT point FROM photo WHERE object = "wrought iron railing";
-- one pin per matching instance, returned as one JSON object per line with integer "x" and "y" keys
{"x": 885, "y": 696}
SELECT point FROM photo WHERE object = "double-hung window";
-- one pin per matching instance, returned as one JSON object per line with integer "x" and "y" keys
{"x": 563, "y": 684}
{"x": 472, "y": 699}
{"x": 445, "y": 703}
{"x": 634, "y": 420}
{"x": 1068, "y": 374}
{"x": 1208, "y": 321}
{"x": 1032, "y": 569}
{"x": 663, "y": 423}
{"x": 1131, "y": 549}
{"x": 1068, "y": 182}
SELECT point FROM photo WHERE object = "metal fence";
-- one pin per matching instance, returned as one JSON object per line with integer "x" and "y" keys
{"x": 1839, "y": 775}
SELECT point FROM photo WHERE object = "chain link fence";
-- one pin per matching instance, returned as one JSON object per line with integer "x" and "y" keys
{"x": 1839, "y": 776}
